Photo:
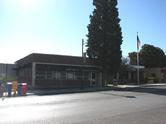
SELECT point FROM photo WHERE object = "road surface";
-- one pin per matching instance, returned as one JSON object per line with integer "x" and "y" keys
{"x": 140, "y": 106}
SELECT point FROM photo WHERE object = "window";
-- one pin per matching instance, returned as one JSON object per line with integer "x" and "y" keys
{"x": 93, "y": 76}
{"x": 40, "y": 75}
{"x": 93, "y": 79}
{"x": 63, "y": 75}
{"x": 78, "y": 75}
{"x": 70, "y": 75}
{"x": 58, "y": 75}
{"x": 49, "y": 75}
{"x": 86, "y": 75}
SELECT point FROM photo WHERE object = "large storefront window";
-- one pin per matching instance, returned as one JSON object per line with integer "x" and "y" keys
{"x": 78, "y": 75}
{"x": 82, "y": 75}
{"x": 49, "y": 75}
{"x": 86, "y": 75}
{"x": 63, "y": 75}
{"x": 70, "y": 75}
{"x": 58, "y": 75}
{"x": 40, "y": 75}
{"x": 44, "y": 75}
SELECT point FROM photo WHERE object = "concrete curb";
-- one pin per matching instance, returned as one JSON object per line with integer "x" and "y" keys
{"x": 68, "y": 91}
{"x": 41, "y": 92}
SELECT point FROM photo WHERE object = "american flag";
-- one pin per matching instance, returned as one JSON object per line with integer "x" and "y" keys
{"x": 138, "y": 43}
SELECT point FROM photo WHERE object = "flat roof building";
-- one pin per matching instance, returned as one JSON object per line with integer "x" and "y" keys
{"x": 58, "y": 71}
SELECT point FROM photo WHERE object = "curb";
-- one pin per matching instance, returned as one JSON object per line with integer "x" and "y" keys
{"x": 68, "y": 91}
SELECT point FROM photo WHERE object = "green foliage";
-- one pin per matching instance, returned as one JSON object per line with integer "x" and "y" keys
{"x": 133, "y": 58}
{"x": 105, "y": 36}
{"x": 152, "y": 56}
{"x": 149, "y": 56}
{"x": 123, "y": 70}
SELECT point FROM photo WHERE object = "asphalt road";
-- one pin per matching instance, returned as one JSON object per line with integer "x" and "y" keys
{"x": 140, "y": 106}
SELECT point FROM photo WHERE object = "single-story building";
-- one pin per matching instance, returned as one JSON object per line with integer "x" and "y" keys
{"x": 155, "y": 75}
{"x": 146, "y": 75}
{"x": 129, "y": 74}
{"x": 58, "y": 71}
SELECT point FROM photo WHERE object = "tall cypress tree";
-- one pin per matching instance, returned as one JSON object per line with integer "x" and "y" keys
{"x": 105, "y": 36}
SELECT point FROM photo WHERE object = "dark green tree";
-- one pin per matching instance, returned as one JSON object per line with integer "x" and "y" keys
{"x": 151, "y": 56}
{"x": 123, "y": 70}
{"x": 105, "y": 36}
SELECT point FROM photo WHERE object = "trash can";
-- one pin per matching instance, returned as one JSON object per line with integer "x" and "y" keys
{"x": 9, "y": 88}
{"x": 1, "y": 90}
{"x": 14, "y": 86}
{"x": 19, "y": 89}
{"x": 24, "y": 88}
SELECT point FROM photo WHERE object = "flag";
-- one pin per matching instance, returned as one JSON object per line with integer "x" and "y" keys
{"x": 138, "y": 43}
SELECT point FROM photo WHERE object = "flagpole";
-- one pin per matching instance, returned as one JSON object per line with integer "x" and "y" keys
{"x": 138, "y": 78}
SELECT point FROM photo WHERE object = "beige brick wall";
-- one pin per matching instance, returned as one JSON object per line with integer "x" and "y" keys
{"x": 160, "y": 74}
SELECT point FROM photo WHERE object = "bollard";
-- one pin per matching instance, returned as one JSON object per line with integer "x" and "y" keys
{"x": 9, "y": 88}
{"x": 1, "y": 90}
{"x": 19, "y": 89}
{"x": 24, "y": 88}
{"x": 14, "y": 86}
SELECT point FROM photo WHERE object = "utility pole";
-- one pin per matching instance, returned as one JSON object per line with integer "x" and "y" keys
{"x": 82, "y": 47}
{"x": 6, "y": 73}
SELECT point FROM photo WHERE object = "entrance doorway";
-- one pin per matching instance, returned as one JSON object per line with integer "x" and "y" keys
{"x": 93, "y": 79}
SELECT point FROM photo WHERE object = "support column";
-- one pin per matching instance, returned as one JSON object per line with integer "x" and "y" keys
{"x": 100, "y": 79}
{"x": 33, "y": 74}
{"x": 129, "y": 76}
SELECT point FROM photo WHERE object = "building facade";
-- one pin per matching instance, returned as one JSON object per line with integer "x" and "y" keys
{"x": 57, "y": 71}
{"x": 155, "y": 75}
{"x": 7, "y": 72}
{"x": 129, "y": 75}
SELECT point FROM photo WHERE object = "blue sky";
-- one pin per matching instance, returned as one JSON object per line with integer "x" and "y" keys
{"x": 57, "y": 26}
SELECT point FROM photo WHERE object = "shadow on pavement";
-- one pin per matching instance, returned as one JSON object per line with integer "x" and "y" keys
{"x": 119, "y": 95}
{"x": 152, "y": 90}
{"x": 42, "y": 92}
{"x": 158, "y": 90}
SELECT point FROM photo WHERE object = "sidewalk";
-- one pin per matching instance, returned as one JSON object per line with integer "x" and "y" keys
{"x": 67, "y": 91}
{"x": 41, "y": 92}
{"x": 92, "y": 89}
{"x": 141, "y": 85}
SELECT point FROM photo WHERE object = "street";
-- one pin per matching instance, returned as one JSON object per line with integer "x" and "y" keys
{"x": 141, "y": 106}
